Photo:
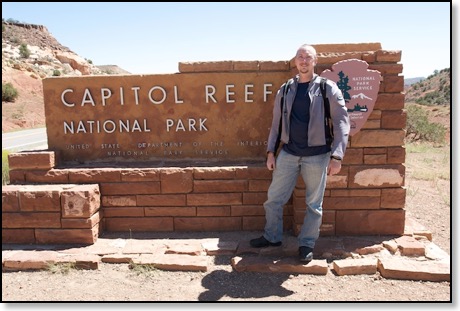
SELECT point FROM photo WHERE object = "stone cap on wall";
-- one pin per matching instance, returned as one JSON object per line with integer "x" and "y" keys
{"x": 347, "y": 47}
{"x": 327, "y": 54}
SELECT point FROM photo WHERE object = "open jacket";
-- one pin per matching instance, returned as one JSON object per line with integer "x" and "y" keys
{"x": 316, "y": 131}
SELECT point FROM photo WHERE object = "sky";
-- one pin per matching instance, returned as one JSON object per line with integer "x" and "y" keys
{"x": 152, "y": 38}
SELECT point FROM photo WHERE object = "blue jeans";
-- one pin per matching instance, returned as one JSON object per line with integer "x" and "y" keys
{"x": 314, "y": 173}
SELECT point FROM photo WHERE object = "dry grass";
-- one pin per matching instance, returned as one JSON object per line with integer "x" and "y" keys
{"x": 428, "y": 189}
{"x": 145, "y": 270}
{"x": 61, "y": 268}
{"x": 426, "y": 162}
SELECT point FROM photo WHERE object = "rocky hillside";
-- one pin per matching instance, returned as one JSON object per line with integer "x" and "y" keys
{"x": 434, "y": 90}
{"x": 46, "y": 54}
{"x": 29, "y": 54}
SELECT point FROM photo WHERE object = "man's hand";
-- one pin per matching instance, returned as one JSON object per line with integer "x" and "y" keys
{"x": 334, "y": 167}
{"x": 271, "y": 161}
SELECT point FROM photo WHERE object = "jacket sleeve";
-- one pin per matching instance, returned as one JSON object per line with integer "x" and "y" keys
{"x": 273, "y": 135}
{"x": 340, "y": 121}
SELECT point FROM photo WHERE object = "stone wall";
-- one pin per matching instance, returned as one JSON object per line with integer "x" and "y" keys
{"x": 51, "y": 214}
{"x": 366, "y": 198}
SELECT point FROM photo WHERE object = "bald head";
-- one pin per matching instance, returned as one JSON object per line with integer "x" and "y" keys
{"x": 306, "y": 49}
{"x": 305, "y": 61}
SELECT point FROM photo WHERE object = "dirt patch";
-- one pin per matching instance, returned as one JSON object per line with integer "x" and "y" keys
{"x": 28, "y": 111}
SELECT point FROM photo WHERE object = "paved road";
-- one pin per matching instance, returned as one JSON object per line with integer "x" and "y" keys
{"x": 25, "y": 140}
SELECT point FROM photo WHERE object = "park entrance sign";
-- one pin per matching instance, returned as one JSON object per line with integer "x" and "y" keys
{"x": 200, "y": 117}
{"x": 208, "y": 116}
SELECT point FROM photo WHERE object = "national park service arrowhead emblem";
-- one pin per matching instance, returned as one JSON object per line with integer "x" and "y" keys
{"x": 359, "y": 86}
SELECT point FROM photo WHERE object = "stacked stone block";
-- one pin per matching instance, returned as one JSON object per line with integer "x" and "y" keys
{"x": 49, "y": 213}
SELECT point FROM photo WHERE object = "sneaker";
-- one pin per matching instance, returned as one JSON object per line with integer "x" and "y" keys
{"x": 305, "y": 254}
{"x": 263, "y": 242}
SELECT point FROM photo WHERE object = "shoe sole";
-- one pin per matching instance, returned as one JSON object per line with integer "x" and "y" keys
{"x": 263, "y": 246}
{"x": 306, "y": 260}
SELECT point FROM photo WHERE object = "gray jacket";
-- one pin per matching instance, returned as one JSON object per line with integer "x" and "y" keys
{"x": 316, "y": 134}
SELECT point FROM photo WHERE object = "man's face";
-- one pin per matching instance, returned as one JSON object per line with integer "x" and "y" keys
{"x": 305, "y": 61}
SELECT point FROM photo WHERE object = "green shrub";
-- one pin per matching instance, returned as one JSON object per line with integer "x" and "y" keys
{"x": 418, "y": 128}
{"x": 24, "y": 50}
{"x": 56, "y": 73}
{"x": 15, "y": 40}
{"x": 9, "y": 93}
{"x": 5, "y": 168}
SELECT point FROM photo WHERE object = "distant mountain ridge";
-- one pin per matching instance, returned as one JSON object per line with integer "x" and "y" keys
{"x": 112, "y": 69}
{"x": 410, "y": 81}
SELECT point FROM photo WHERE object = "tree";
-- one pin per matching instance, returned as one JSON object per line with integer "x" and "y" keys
{"x": 343, "y": 86}
{"x": 9, "y": 93}
{"x": 24, "y": 50}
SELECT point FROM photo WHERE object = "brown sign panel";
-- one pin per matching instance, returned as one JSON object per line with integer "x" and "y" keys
{"x": 189, "y": 116}
{"x": 360, "y": 87}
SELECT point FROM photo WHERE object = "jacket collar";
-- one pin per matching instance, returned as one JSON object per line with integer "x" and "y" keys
{"x": 315, "y": 76}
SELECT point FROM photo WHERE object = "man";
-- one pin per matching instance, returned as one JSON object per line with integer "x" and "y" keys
{"x": 304, "y": 151}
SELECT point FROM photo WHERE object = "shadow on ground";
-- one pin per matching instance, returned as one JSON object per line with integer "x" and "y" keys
{"x": 234, "y": 284}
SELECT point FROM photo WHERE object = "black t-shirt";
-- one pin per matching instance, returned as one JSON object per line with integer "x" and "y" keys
{"x": 300, "y": 117}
